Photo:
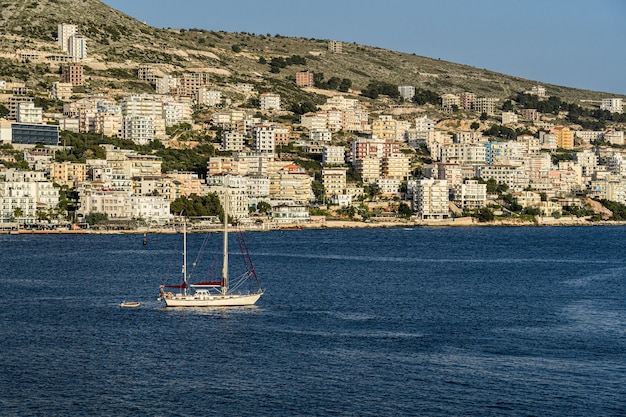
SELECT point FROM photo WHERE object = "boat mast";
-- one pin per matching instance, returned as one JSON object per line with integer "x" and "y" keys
{"x": 184, "y": 255}
{"x": 225, "y": 261}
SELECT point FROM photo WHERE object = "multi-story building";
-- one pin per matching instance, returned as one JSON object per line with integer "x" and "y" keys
{"x": 264, "y": 139}
{"x": 61, "y": 91}
{"x": 369, "y": 168}
{"x": 407, "y": 92}
{"x": 516, "y": 177}
{"x": 504, "y": 152}
{"x": 334, "y": 181}
{"x": 564, "y": 137}
{"x": 209, "y": 98}
{"x": 314, "y": 121}
{"x": 33, "y": 134}
{"x": 14, "y": 102}
{"x": 291, "y": 184}
{"x": 304, "y": 79}
{"x": 509, "y": 118}
{"x": 466, "y": 153}
{"x": 72, "y": 74}
{"x": 424, "y": 124}
{"x": 219, "y": 165}
{"x": 115, "y": 204}
{"x": 167, "y": 85}
{"x": 396, "y": 166}
{"x": 64, "y": 32}
{"x": 430, "y": 199}
{"x": 485, "y": 105}
{"x": 538, "y": 90}
{"x": 470, "y": 194}
{"x": 28, "y": 113}
{"x": 335, "y": 47}
{"x": 333, "y": 155}
{"x": 362, "y": 147}
{"x": 139, "y": 129}
{"x": 320, "y": 135}
{"x": 233, "y": 140}
{"x": 467, "y": 100}
{"x": 77, "y": 47}
{"x": 189, "y": 83}
{"x": 155, "y": 209}
{"x": 449, "y": 102}
{"x": 176, "y": 112}
{"x": 614, "y": 105}
{"x": 269, "y": 101}
{"x": 67, "y": 173}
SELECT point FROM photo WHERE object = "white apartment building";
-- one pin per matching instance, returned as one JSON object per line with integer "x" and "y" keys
{"x": 463, "y": 153}
{"x": 209, "y": 98}
{"x": 269, "y": 101}
{"x": 588, "y": 161}
{"x": 334, "y": 181}
{"x": 28, "y": 113}
{"x": 264, "y": 139}
{"x": 614, "y": 105}
{"x": 389, "y": 187}
{"x": 471, "y": 194}
{"x": 320, "y": 135}
{"x": 115, "y": 204}
{"x": 65, "y": 31}
{"x": 407, "y": 92}
{"x": 154, "y": 209}
{"x": 139, "y": 129}
{"x": 12, "y": 197}
{"x": 430, "y": 199}
{"x": 77, "y": 47}
{"x": 233, "y": 140}
{"x": 614, "y": 137}
{"x": 61, "y": 91}
{"x": 424, "y": 124}
{"x": 333, "y": 155}
{"x": 176, "y": 112}
{"x": 516, "y": 177}
{"x": 314, "y": 121}
{"x": 165, "y": 85}
{"x": 509, "y": 118}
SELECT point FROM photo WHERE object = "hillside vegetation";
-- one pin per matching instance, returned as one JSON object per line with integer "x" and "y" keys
{"x": 118, "y": 43}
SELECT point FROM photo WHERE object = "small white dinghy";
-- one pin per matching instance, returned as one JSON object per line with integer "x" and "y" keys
{"x": 130, "y": 304}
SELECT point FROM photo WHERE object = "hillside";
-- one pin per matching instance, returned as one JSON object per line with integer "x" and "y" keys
{"x": 118, "y": 43}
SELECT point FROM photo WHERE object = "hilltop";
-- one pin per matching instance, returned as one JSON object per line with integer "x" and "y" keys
{"x": 118, "y": 44}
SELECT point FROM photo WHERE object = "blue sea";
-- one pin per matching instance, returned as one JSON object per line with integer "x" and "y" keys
{"x": 521, "y": 321}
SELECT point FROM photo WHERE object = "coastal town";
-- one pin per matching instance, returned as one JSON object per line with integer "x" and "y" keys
{"x": 383, "y": 155}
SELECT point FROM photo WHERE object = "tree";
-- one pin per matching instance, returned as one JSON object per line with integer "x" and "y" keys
{"x": 404, "y": 210}
{"x": 485, "y": 214}
{"x": 195, "y": 205}
{"x": 18, "y": 212}
{"x": 96, "y": 218}
{"x": 263, "y": 207}
{"x": 474, "y": 125}
{"x": 236, "y": 48}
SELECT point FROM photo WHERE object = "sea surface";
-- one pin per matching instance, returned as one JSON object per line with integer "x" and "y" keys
{"x": 521, "y": 321}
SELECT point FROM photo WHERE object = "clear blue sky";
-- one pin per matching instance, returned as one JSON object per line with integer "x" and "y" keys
{"x": 574, "y": 43}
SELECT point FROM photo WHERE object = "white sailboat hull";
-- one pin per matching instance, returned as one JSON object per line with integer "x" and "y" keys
{"x": 212, "y": 300}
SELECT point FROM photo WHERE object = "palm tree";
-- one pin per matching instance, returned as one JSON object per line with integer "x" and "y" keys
{"x": 18, "y": 212}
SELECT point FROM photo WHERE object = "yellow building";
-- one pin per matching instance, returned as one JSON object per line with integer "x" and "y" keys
{"x": 66, "y": 173}
{"x": 564, "y": 137}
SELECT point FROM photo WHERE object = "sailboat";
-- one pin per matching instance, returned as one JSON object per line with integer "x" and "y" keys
{"x": 216, "y": 293}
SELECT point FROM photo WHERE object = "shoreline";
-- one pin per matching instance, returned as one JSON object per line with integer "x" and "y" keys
{"x": 341, "y": 224}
